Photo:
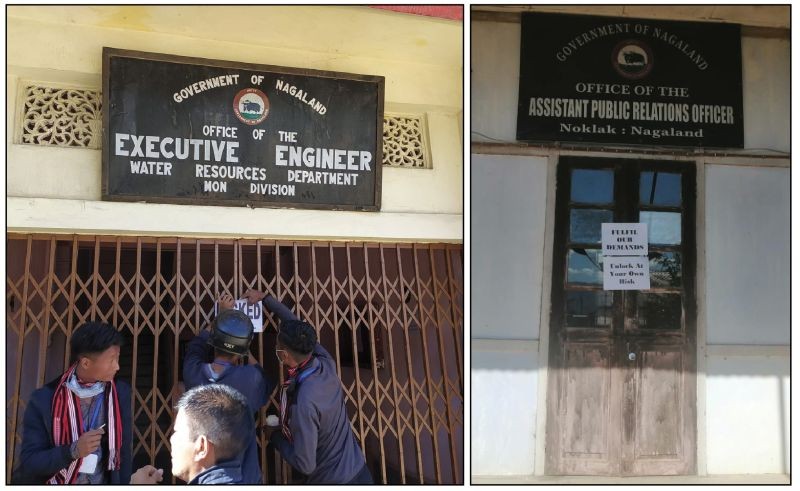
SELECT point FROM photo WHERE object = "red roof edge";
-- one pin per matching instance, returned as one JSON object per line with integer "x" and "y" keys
{"x": 452, "y": 12}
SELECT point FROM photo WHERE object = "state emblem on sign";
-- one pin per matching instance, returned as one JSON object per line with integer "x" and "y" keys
{"x": 632, "y": 59}
{"x": 251, "y": 106}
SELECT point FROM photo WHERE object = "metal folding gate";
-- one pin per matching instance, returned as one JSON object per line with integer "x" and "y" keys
{"x": 391, "y": 314}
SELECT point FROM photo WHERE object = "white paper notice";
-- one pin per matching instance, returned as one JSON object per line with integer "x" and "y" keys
{"x": 254, "y": 312}
{"x": 88, "y": 464}
{"x": 624, "y": 239}
{"x": 625, "y": 263}
{"x": 626, "y": 273}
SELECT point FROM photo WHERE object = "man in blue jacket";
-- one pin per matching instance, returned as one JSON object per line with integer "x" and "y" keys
{"x": 212, "y": 426}
{"x": 77, "y": 429}
{"x": 315, "y": 436}
{"x": 230, "y": 338}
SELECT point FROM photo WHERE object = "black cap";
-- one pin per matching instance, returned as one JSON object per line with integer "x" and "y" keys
{"x": 232, "y": 332}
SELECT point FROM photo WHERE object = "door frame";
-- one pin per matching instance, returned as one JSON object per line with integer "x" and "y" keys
{"x": 551, "y": 347}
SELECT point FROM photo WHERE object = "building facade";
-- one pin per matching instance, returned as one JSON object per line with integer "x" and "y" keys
{"x": 689, "y": 374}
{"x": 384, "y": 288}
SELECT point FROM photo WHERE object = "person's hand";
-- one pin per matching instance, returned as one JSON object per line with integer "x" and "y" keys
{"x": 89, "y": 442}
{"x": 254, "y": 296}
{"x": 226, "y": 302}
{"x": 147, "y": 475}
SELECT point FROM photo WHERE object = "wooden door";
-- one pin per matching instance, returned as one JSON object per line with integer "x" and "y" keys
{"x": 621, "y": 389}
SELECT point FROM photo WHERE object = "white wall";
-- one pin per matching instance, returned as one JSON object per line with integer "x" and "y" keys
{"x": 494, "y": 80}
{"x": 495, "y": 86}
{"x": 508, "y": 196}
{"x": 504, "y": 397}
{"x": 508, "y": 233}
{"x": 58, "y": 189}
{"x": 747, "y": 255}
{"x": 747, "y": 302}
{"x": 747, "y": 414}
{"x": 766, "y": 89}
{"x": 508, "y": 221}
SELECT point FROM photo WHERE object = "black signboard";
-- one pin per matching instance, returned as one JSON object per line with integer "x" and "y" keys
{"x": 630, "y": 81}
{"x": 209, "y": 132}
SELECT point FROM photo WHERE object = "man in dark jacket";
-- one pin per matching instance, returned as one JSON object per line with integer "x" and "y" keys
{"x": 230, "y": 339}
{"x": 315, "y": 436}
{"x": 78, "y": 429}
{"x": 211, "y": 430}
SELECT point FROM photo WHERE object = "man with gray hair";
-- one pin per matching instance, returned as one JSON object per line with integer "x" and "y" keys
{"x": 212, "y": 427}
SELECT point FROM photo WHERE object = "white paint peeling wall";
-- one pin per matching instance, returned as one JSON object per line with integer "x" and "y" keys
{"x": 58, "y": 189}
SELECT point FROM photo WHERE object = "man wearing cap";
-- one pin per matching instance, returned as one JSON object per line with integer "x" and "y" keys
{"x": 315, "y": 436}
{"x": 230, "y": 337}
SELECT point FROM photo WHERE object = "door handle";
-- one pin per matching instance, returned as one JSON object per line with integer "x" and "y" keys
{"x": 631, "y": 354}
